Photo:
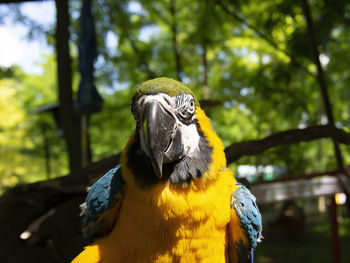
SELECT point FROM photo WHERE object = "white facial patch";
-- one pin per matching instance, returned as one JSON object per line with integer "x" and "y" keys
{"x": 189, "y": 134}
{"x": 190, "y": 138}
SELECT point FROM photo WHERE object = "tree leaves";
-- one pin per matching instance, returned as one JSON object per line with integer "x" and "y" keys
{"x": 258, "y": 66}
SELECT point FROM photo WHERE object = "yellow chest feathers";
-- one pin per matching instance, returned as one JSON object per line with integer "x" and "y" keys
{"x": 164, "y": 224}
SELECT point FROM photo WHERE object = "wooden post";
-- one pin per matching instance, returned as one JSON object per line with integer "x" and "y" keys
{"x": 44, "y": 130}
{"x": 70, "y": 120}
{"x": 334, "y": 229}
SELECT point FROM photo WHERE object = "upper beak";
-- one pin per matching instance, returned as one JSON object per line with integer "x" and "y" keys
{"x": 157, "y": 130}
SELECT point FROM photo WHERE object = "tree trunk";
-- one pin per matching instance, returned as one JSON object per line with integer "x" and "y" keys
{"x": 321, "y": 78}
{"x": 69, "y": 118}
{"x": 174, "y": 40}
{"x": 206, "y": 89}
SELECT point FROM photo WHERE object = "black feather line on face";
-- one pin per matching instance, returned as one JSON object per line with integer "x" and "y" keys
{"x": 193, "y": 166}
{"x": 180, "y": 172}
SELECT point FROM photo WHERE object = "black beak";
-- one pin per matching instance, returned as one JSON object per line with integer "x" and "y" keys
{"x": 158, "y": 128}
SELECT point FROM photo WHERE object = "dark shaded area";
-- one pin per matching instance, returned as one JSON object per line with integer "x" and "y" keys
{"x": 59, "y": 236}
{"x": 313, "y": 248}
{"x": 290, "y": 224}
{"x": 50, "y": 210}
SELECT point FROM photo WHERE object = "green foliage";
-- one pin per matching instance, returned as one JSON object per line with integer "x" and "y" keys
{"x": 259, "y": 66}
{"x": 110, "y": 129}
{"x": 325, "y": 228}
{"x": 21, "y": 141}
{"x": 6, "y": 72}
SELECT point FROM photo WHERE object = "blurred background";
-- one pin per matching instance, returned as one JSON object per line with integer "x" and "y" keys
{"x": 272, "y": 75}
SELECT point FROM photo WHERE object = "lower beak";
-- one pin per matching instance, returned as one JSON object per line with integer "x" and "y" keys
{"x": 157, "y": 130}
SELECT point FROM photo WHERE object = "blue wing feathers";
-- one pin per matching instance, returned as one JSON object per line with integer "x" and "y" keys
{"x": 101, "y": 197}
{"x": 244, "y": 203}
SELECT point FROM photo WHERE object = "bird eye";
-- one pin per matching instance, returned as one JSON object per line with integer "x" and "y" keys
{"x": 191, "y": 106}
{"x": 185, "y": 107}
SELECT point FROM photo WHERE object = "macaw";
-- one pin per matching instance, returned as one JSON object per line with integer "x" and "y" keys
{"x": 172, "y": 199}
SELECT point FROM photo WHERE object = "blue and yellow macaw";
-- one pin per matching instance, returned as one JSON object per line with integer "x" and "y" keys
{"x": 172, "y": 199}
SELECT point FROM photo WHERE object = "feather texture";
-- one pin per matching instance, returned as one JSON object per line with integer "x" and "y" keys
{"x": 244, "y": 203}
{"x": 103, "y": 196}
{"x": 211, "y": 218}
{"x": 245, "y": 225}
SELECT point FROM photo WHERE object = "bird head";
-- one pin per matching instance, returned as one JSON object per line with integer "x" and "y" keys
{"x": 169, "y": 142}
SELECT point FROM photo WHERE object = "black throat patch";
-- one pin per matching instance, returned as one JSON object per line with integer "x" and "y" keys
{"x": 180, "y": 172}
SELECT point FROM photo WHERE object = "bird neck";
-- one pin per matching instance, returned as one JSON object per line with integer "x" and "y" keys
{"x": 218, "y": 158}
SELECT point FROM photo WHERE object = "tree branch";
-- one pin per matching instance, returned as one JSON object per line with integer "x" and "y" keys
{"x": 210, "y": 103}
{"x": 237, "y": 150}
{"x": 233, "y": 152}
{"x": 321, "y": 78}
{"x": 295, "y": 177}
{"x": 253, "y": 147}
{"x": 316, "y": 57}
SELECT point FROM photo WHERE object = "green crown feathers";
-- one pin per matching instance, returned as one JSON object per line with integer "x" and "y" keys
{"x": 162, "y": 85}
